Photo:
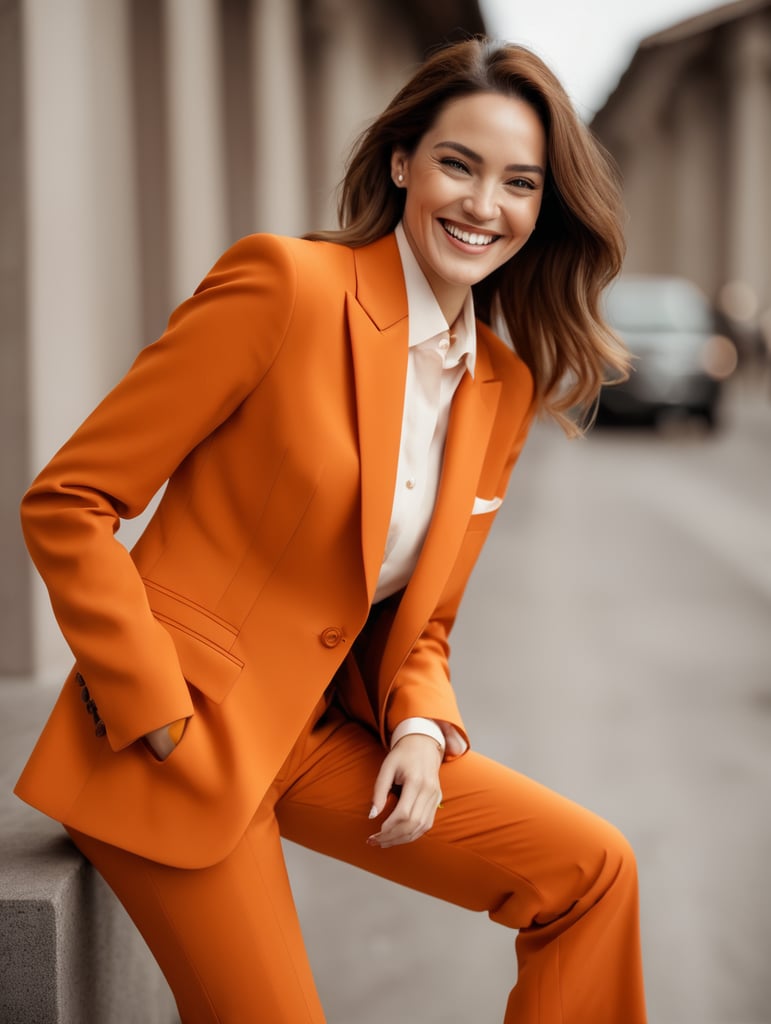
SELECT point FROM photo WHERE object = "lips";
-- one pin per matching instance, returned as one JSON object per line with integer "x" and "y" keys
{"x": 479, "y": 239}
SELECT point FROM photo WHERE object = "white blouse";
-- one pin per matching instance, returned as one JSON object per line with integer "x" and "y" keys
{"x": 436, "y": 363}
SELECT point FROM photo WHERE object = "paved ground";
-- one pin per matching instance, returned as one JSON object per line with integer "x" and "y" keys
{"x": 614, "y": 644}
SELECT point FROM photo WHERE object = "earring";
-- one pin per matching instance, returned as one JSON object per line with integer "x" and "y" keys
{"x": 400, "y": 178}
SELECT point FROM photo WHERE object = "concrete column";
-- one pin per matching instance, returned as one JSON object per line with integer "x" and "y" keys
{"x": 83, "y": 287}
{"x": 239, "y": 118}
{"x": 16, "y": 655}
{"x": 748, "y": 153}
{"x": 355, "y": 76}
{"x": 152, "y": 176}
{"x": 282, "y": 164}
{"x": 198, "y": 211}
{"x": 698, "y": 176}
{"x": 647, "y": 159}
{"x": 638, "y": 130}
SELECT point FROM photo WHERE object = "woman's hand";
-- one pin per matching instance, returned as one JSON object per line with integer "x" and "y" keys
{"x": 413, "y": 765}
{"x": 162, "y": 741}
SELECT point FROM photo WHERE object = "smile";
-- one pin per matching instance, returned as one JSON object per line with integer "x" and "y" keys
{"x": 468, "y": 237}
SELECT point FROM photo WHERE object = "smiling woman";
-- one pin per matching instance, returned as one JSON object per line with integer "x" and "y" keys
{"x": 498, "y": 124}
{"x": 469, "y": 208}
{"x": 336, "y": 423}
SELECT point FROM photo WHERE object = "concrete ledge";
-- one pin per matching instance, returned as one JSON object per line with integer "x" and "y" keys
{"x": 68, "y": 951}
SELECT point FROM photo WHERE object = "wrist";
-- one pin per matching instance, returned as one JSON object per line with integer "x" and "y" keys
{"x": 418, "y": 739}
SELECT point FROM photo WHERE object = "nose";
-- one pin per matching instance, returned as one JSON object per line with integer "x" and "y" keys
{"x": 481, "y": 203}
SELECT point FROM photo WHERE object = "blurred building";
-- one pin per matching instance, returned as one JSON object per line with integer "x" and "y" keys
{"x": 690, "y": 126}
{"x": 139, "y": 139}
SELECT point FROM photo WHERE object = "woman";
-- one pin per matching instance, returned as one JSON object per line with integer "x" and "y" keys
{"x": 337, "y": 433}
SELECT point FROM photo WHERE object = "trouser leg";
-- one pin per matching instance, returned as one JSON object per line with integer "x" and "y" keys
{"x": 228, "y": 940}
{"x": 501, "y": 843}
{"x": 226, "y": 937}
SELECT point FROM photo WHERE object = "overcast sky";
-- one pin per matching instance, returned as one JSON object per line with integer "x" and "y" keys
{"x": 588, "y": 43}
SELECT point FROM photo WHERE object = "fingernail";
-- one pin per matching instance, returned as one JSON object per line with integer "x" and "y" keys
{"x": 373, "y": 812}
{"x": 371, "y": 841}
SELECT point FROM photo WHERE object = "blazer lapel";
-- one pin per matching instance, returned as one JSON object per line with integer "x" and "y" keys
{"x": 377, "y": 321}
{"x": 471, "y": 422}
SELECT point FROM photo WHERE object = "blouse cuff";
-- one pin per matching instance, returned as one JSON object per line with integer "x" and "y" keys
{"x": 419, "y": 726}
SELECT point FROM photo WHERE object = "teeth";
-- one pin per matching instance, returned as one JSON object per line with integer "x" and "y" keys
{"x": 469, "y": 237}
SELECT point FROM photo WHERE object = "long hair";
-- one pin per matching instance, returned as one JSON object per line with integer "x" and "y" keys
{"x": 549, "y": 294}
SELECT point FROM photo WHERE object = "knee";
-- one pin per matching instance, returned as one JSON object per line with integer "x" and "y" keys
{"x": 618, "y": 856}
{"x": 599, "y": 859}
{"x": 622, "y": 850}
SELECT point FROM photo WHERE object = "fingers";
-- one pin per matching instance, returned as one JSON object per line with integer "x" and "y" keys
{"x": 413, "y": 765}
{"x": 163, "y": 741}
{"x": 412, "y": 817}
{"x": 383, "y": 785}
{"x": 159, "y": 743}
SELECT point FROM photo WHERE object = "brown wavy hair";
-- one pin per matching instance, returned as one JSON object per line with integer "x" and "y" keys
{"x": 549, "y": 294}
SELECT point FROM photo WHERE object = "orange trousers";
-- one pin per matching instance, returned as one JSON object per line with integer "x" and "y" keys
{"x": 228, "y": 939}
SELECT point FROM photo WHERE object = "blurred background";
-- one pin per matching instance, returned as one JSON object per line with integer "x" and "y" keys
{"x": 615, "y": 640}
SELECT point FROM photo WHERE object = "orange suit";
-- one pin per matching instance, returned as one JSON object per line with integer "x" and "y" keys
{"x": 273, "y": 406}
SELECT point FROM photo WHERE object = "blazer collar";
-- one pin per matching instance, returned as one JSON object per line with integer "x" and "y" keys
{"x": 378, "y": 325}
{"x": 380, "y": 287}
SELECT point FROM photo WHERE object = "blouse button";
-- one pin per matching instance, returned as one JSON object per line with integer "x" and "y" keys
{"x": 410, "y": 483}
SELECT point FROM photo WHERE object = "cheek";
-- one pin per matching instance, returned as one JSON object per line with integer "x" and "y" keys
{"x": 523, "y": 220}
{"x": 413, "y": 205}
{"x": 426, "y": 198}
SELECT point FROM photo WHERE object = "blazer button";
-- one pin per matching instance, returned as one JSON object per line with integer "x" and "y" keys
{"x": 100, "y": 729}
{"x": 332, "y": 636}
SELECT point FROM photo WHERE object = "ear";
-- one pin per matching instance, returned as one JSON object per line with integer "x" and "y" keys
{"x": 399, "y": 167}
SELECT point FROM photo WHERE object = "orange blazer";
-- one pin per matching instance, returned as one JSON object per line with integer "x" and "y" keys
{"x": 272, "y": 405}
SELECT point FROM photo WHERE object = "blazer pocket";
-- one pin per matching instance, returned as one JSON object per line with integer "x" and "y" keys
{"x": 484, "y": 505}
{"x": 202, "y": 641}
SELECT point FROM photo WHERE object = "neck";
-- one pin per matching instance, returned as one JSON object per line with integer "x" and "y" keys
{"x": 451, "y": 302}
{"x": 450, "y": 297}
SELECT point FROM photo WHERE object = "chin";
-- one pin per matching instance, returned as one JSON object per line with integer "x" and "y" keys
{"x": 469, "y": 277}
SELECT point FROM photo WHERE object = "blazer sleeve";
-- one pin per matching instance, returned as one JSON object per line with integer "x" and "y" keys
{"x": 217, "y": 347}
{"x": 422, "y": 687}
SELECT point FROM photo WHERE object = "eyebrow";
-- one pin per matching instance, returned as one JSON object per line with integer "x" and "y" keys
{"x": 477, "y": 159}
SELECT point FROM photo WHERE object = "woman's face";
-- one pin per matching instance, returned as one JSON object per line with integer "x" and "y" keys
{"x": 474, "y": 188}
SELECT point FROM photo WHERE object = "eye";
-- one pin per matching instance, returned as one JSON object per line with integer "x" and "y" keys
{"x": 521, "y": 183}
{"x": 454, "y": 164}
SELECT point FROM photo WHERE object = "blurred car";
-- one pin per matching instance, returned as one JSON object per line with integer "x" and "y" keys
{"x": 680, "y": 361}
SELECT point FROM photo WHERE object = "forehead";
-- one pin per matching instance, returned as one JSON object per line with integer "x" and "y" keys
{"x": 491, "y": 124}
